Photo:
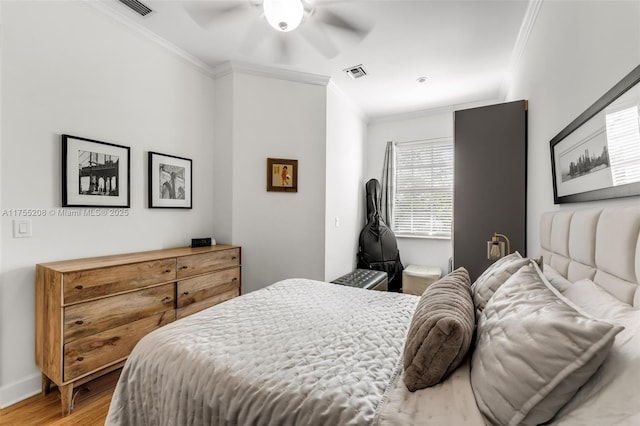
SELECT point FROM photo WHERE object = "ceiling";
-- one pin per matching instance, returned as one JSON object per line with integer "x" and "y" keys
{"x": 463, "y": 48}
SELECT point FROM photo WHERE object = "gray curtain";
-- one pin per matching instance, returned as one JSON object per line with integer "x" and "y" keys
{"x": 388, "y": 183}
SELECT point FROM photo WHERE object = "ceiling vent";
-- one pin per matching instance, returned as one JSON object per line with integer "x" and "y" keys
{"x": 137, "y": 7}
{"x": 355, "y": 72}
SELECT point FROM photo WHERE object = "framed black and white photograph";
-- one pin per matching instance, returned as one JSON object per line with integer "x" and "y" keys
{"x": 597, "y": 156}
{"x": 94, "y": 173}
{"x": 170, "y": 181}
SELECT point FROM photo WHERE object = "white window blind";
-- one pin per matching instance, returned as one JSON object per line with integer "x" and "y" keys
{"x": 423, "y": 202}
{"x": 623, "y": 136}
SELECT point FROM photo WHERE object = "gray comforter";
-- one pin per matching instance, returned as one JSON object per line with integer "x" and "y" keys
{"x": 297, "y": 352}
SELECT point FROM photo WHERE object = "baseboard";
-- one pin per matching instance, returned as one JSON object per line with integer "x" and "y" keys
{"x": 22, "y": 389}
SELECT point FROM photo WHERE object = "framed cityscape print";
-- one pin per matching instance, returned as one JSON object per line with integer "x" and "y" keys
{"x": 170, "y": 181}
{"x": 94, "y": 173}
{"x": 597, "y": 156}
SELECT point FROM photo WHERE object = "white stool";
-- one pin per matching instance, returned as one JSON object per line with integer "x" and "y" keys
{"x": 416, "y": 278}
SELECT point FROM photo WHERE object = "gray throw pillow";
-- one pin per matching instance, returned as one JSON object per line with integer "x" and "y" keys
{"x": 441, "y": 331}
{"x": 534, "y": 350}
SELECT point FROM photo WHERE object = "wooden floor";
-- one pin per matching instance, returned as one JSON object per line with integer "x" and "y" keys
{"x": 91, "y": 403}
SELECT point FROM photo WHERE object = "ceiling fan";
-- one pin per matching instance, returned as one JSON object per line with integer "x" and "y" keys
{"x": 286, "y": 19}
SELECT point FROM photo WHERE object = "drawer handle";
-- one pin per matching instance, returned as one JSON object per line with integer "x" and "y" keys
{"x": 186, "y": 293}
{"x": 166, "y": 299}
{"x": 80, "y": 358}
{"x": 166, "y": 271}
{"x": 79, "y": 287}
{"x": 234, "y": 279}
{"x": 234, "y": 257}
{"x": 79, "y": 322}
{"x": 184, "y": 267}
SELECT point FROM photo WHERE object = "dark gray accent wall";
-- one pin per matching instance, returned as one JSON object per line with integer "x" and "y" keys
{"x": 490, "y": 185}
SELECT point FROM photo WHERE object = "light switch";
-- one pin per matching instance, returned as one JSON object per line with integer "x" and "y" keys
{"x": 22, "y": 228}
{"x": 337, "y": 222}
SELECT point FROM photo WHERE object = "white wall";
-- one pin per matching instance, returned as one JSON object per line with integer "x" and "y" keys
{"x": 3, "y": 403}
{"x": 222, "y": 184}
{"x": 427, "y": 125}
{"x": 282, "y": 234}
{"x": 576, "y": 52}
{"x": 66, "y": 68}
{"x": 345, "y": 196}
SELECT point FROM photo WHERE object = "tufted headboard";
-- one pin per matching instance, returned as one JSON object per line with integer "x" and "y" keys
{"x": 600, "y": 244}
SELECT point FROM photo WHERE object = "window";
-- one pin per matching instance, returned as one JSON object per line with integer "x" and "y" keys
{"x": 423, "y": 202}
{"x": 623, "y": 137}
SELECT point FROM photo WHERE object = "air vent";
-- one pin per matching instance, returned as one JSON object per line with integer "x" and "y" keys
{"x": 138, "y": 7}
{"x": 356, "y": 71}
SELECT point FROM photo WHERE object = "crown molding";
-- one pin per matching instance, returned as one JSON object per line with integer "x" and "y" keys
{"x": 449, "y": 109}
{"x": 229, "y": 67}
{"x": 528, "y": 22}
{"x": 128, "y": 22}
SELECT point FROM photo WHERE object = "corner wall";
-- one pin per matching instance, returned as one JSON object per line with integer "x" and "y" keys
{"x": 67, "y": 68}
{"x": 345, "y": 195}
{"x": 576, "y": 52}
{"x": 282, "y": 234}
{"x": 222, "y": 165}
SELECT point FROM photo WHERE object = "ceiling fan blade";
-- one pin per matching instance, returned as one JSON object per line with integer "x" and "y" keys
{"x": 254, "y": 36}
{"x": 331, "y": 18}
{"x": 206, "y": 15}
{"x": 318, "y": 38}
{"x": 262, "y": 41}
{"x": 284, "y": 50}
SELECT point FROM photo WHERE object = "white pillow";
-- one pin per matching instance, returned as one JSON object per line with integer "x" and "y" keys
{"x": 534, "y": 350}
{"x": 557, "y": 280}
{"x": 596, "y": 300}
{"x": 493, "y": 277}
{"x": 612, "y": 394}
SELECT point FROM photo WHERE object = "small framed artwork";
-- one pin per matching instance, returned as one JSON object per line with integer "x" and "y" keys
{"x": 597, "y": 156}
{"x": 282, "y": 175}
{"x": 94, "y": 173}
{"x": 170, "y": 182}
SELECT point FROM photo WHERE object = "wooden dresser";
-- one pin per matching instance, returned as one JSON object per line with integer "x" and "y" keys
{"x": 91, "y": 312}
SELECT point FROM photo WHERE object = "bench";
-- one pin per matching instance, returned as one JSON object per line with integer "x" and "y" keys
{"x": 364, "y": 278}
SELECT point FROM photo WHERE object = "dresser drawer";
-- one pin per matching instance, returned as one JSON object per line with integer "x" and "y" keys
{"x": 89, "y": 284}
{"x": 196, "y": 294}
{"x": 99, "y": 350}
{"x": 84, "y": 319}
{"x": 196, "y": 264}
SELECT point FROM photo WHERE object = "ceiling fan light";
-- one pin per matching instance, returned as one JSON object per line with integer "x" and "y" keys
{"x": 283, "y": 15}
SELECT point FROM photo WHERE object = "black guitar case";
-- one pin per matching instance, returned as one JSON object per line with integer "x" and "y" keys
{"x": 378, "y": 248}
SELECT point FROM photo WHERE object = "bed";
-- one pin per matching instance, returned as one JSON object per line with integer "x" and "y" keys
{"x": 557, "y": 342}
